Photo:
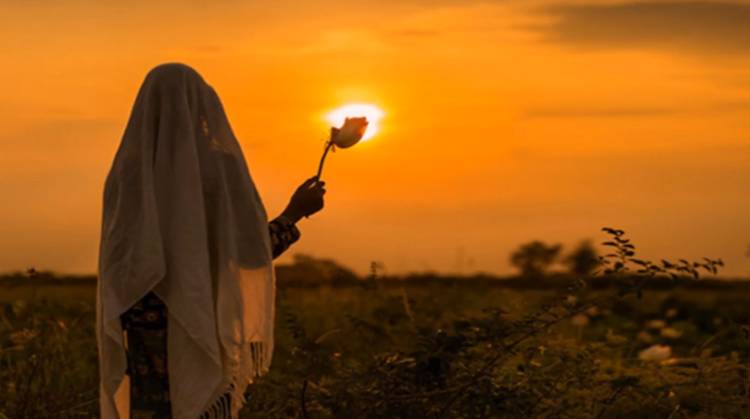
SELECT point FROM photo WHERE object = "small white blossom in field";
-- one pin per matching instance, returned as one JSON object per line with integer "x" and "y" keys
{"x": 655, "y": 353}
{"x": 683, "y": 362}
{"x": 671, "y": 333}
{"x": 615, "y": 339}
{"x": 580, "y": 320}
{"x": 656, "y": 324}
{"x": 593, "y": 311}
{"x": 23, "y": 336}
{"x": 645, "y": 337}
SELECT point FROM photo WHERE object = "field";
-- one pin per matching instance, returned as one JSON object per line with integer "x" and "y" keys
{"x": 610, "y": 347}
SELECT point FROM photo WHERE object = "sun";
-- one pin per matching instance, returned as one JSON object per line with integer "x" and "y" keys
{"x": 373, "y": 114}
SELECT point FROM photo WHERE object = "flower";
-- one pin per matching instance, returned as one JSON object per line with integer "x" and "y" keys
{"x": 580, "y": 320}
{"x": 655, "y": 353}
{"x": 644, "y": 336}
{"x": 23, "y": 336}
{"x": 593, "y": 311}
{"x": 350, "y": 133}
{"x": 671, "y": 333}
{"x": 615, "y": 339}
{"x": 656, "y": 324}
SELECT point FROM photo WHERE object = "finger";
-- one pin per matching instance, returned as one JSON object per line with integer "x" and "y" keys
{"x": 308, "y": 183}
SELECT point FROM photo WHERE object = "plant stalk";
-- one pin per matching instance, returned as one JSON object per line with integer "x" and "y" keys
{"x": 329, "y": 145}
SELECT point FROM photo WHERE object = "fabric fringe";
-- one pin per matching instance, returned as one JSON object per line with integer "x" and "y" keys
{"x": 220, "y": 409}
{"x": 252, "y": 365}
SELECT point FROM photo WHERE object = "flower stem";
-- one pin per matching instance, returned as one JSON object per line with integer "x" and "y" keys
{"x": 329, "y": 145}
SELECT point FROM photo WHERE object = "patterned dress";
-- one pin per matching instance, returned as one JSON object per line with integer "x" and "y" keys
{"x": 146, "y": 327}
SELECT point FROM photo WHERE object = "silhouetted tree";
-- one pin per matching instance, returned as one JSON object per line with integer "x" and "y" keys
{"x": 534, "y": 258}
{"x": 306, "y": 269}
{"x": 583, "y": 260}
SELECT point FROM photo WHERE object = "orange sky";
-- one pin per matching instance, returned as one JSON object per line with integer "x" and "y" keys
{"x": 506, "y": 121}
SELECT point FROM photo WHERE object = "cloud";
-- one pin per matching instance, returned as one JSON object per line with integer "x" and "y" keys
{"x": 600, "y": 112}
{"x": 698, "y": 26}
{"x": 416, "y": 33}
{"x": 637, "y": 111}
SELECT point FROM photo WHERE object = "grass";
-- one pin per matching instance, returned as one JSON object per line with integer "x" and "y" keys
{"x": 48, "y": 347}
{"x": 642, "y": 340}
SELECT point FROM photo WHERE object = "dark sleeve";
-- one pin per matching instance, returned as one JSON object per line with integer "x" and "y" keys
{"x": 283, "y": 234}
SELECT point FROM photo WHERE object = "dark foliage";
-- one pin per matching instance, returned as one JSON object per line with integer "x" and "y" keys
{"x": 392, "y": 349}
{"x": 583, "y": 260}
{"x": 534, "y": 258}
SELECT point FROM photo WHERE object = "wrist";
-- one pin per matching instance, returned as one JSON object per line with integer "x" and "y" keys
{"x": 291, "y": 215}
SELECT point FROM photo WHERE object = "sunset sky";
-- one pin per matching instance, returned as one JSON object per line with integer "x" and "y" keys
{"x": 505, "y": 122}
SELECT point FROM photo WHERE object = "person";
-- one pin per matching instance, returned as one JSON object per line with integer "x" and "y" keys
{"x": 185, "y": 297}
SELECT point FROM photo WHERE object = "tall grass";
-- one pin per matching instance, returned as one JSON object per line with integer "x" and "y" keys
{"x": 442, "y": 349}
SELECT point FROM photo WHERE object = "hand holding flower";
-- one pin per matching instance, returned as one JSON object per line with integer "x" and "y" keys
{"x": 306, "y": 200}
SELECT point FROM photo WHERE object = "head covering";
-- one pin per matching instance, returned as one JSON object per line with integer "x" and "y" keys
{"x": 182, "y": 218}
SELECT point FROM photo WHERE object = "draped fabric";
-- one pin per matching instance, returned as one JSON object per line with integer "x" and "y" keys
{"x": 182, "y": 218}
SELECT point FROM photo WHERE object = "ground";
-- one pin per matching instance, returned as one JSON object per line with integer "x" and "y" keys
{"x": 425, "y": 348}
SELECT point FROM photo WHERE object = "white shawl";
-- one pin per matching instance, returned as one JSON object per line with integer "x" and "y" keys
{"x": 182, "y": 218}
